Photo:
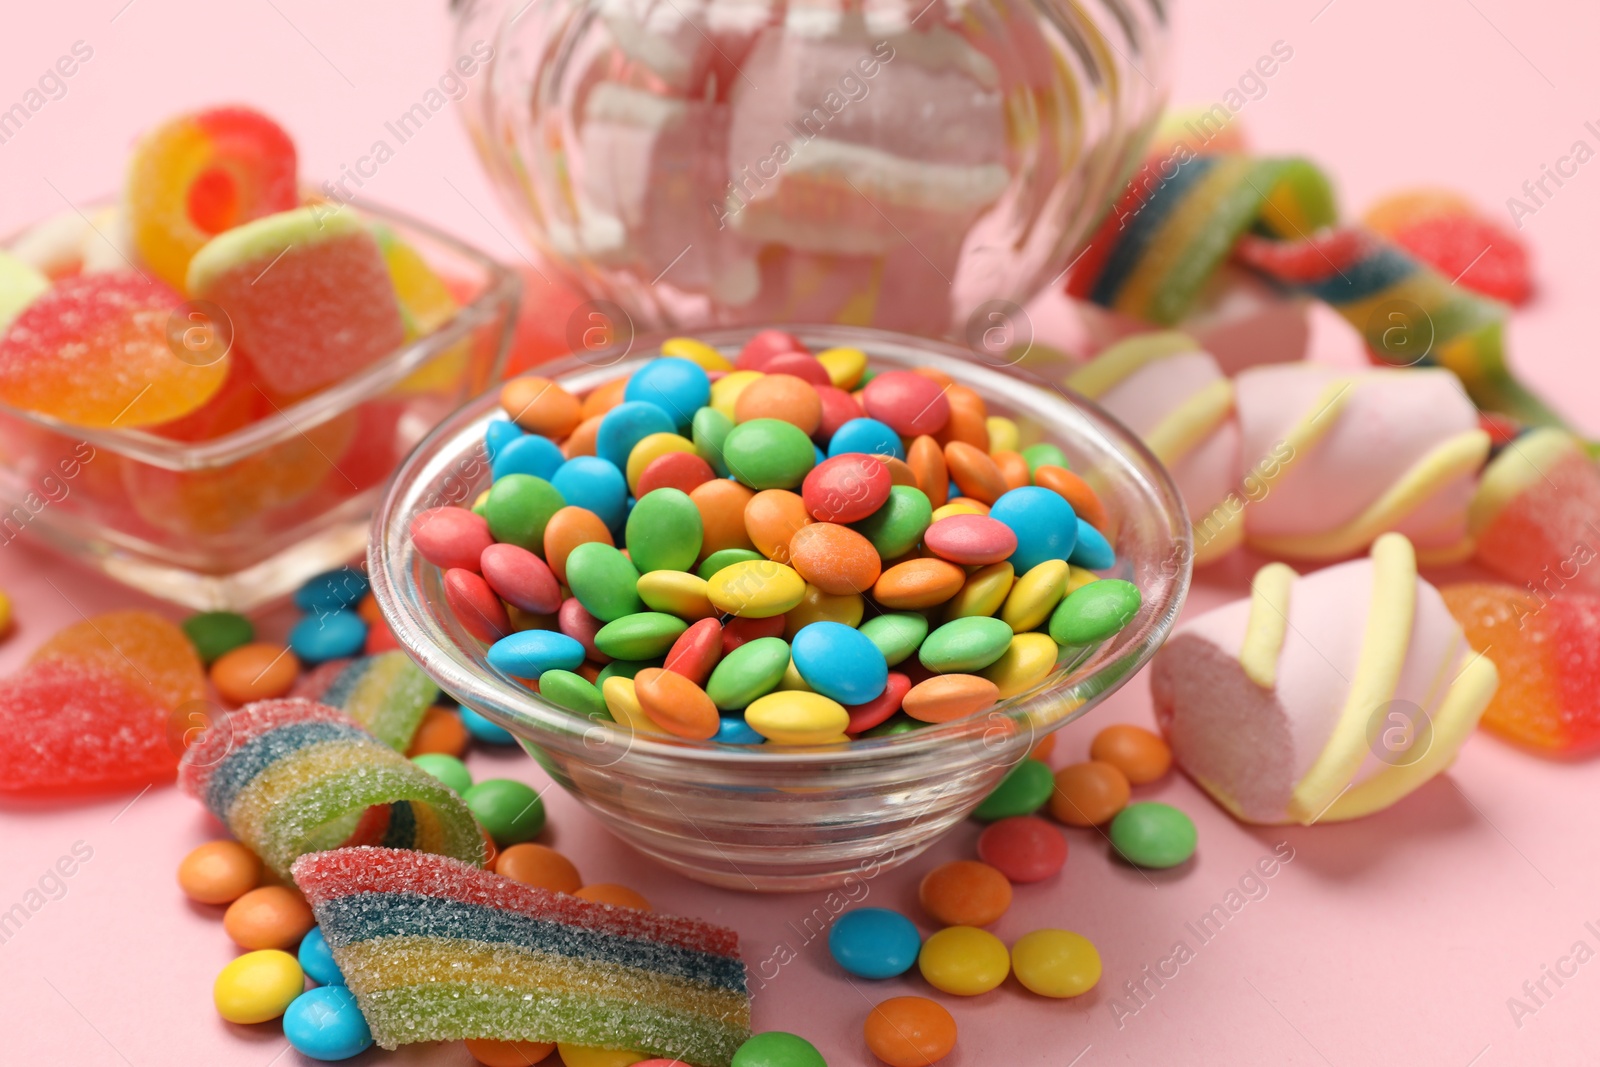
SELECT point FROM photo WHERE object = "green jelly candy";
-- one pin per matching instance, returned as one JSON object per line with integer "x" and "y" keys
{"x": 752, "y": 670}
{"x": 511, "y": 811}
{"x": 518, "y": 508}
{"x": 214, "y": 633}
{"x": 574, "y": 693}
{"x": 726, "y": 557}
{"x": 1152, "y": 834}
{"x": 895, "y": 724}
{"x": 1021, "y": 792}
{"x": 603, "y": 580}
{"x": 778, "y": 1049}
{"x": 1094, "y": 612}
{"x": 897, "y": 634}
{"x": 1045, "y": 454}
{"x": 708, "y": 431}
{"x": 963, "y": 645}
{"x": 768, "y": 454}
{"x": 664, "y": 532}
{"x": 623, "y": 668}
{"x": 449, "y": 770}
{"x": 642, "y": 635}
{"x": 895, "y": 528}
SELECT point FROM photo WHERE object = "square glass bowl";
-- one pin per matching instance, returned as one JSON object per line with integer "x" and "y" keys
{"x": 793, "y": 818}
{"x": 238, "y": 520}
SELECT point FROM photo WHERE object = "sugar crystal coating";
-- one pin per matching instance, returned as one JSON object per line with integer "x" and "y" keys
{"x": 386, "y": 695}
{"x": 80, "y": 726}
{"x": 151, "y": 653}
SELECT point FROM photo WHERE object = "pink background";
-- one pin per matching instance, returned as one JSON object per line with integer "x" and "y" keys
{"x": 1393, "y": 940}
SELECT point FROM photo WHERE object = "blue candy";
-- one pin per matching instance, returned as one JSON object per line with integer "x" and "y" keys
{"x": 676, "y": 386}
{"x": 1044, "y": 523}
{"x": 490, "y": 733}
{"x": 597, "y": 484}
{"x": 317, "y": 960}
{"x": 532, "y": 454}
{"x": 529, "y": 653}
{"x": 1092, "y": 550}
{"x": 326, "y": 1024}
{"x": 499, "y": 433}
{"x": 840, "y": 662}
{"x": 874, "y": 942}
{"x": 733, "y": 730}
{"x": 625, "y": 426}
{"x": 341, "y": 588}
{"x": 329, "y": 635}
{"x": 866, "y": 435}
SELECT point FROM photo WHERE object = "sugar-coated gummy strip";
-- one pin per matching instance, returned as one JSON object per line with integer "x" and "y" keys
{"x": 203, "y": 758}
{"x": 386, "y": 694}
{"x": 258, "y": 753}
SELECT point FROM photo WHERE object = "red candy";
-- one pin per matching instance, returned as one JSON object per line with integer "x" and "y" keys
{"x": 838, "y": 408}
{"x": 475, "y": 605}
{"x": 971, "y": 540}
{"x": 576, "y": 622}
{"x": 451, "y": 537}
{"x": 763, "y": 346}
{"x": 1475, "y": 252}
{"x": 865, "y": 716}
{"x": 800, "y": 365}
{"x": 696, "y": 651}
{"x": 675, "y": 470}
{"x": 1024, "y": 848}
{"x": 521, "y": 578}
{"x": 907, "y": 402}
{"x": 846, "y": 488}
{"x": 740, "y": 630}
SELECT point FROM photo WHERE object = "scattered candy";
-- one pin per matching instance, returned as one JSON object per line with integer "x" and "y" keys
{"x": 964, "y": 960}
{"x": 1152, "y": 834}
{"x": 219, "y": 872}
{"x": 255, "y": 672}
{"x": 874, "y": 942}
{"x": 618, "y": 896}
{"x": 448, "y": 769}
{"x": 1089, "y": 794}
{"x": 965, "y": 893}
{"x": 326, "y": 1024}
{"x": 774, "y": 1048}
{"x": 1056, "y": 963}
{"x": 1138, "y": 753}
{"x": 539, "y": 866}
{"x": 257, "y": 986}
{"x": 272, "y": 916}
{"x": 216, "y": 633}
{"x": 511, "y": 811}
{"x": 910, "y": 1032}
{"x": 492, "y": 1053}
{"x": 316, "y": 959}
{"x": 1023, "y": 791}
{"x": 1024, "y": 848}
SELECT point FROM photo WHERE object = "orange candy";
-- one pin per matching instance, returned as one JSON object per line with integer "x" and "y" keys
{"x": 900, "y": 473}
{"x": 918, "y": 583}
{"x": 965, "y": 893}
{"x": 974, "y": 472}
{"x": 441, "y": 732}
{"x": 969, "y": 420}
{"x": 722, "y": 502}
{"x": 780, "y": 396}
{"x": 508, "y": 1053}
{"x": 538, "y": 865}
{"x": 1139, "y": 754}
{"x": 618, "y": 896}
{"x": 145, "y": 649}
{"x": 1042, "y": 751}
{"x": 834, "y": 558}
{"x": 539, "y": 405}
{"x": 582, "y": 441}
{"x": 945, "y": 697}
{"x": 772, "y": 517}
{"x": 272, "y": 916}
{"x": 676, "y": 704}
{"x": 1085, "y": 504}
{"x": 925, "y": 457}
{"x": 1013, "y": 468}
{"x": 1088, "y": 794}
{"x": 368, "y": 610}
{"x": 254, "y": 672}
{"x": 603, "y": 398}
{"x": 567, "y": 529}
{"x": 910, "y": 1032}
{"x": 219, "y": 872}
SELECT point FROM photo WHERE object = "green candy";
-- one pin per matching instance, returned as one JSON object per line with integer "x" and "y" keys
{"x": 574, "y": 693}
{"x": 511, "y": 811}
{"x": 518, "y": 508}
{"x": 708, "y": 431}
{"x": 664, "y": 532}
{"x": 449, "y": 770}
{"x": 965, "y": 645}
{"x": 1094, "y": 612}
{"x": 752, "y": 670}
{"x": 214, "y": 633}
{"x": 895, "y": 528}
{"x": 778, "y": 1049}
{"x": 642, "y": 635}
{"x": 603, "y": 580}
{"x": 1045, "y": 454}
{"x": 768, "y": 454}
{"x": 725, "y": 557}
{"x": 897, "y": 634}
{"x": 1152, "y": 834}
{"x": 1021, "y": 792}
{"x": 623, "y": 668}
{"x": 894, "y": 725}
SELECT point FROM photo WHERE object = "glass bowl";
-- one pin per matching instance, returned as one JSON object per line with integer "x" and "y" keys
{"x": 794, "y": 818}
{"x": 235, "y": 521}
{"x": 897, "y": 164}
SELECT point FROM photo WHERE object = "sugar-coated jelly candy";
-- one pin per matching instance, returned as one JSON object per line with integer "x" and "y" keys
{"x": 149, "y": 652}
{"x": 20, "y": 285}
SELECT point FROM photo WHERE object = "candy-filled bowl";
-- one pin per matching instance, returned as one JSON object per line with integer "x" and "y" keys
{"x": 766, "y": 817}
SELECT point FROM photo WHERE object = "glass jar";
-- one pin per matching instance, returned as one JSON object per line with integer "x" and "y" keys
{"x": 904, "y": 164}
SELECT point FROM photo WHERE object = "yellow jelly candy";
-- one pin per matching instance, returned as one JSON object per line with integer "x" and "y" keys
{"x": 756, "y": 589}
{"x": 258, "y": 986}
{"x": 964, "y": 960}
{"x": 1056, "y": 963}
{"x": 797, "y": 718}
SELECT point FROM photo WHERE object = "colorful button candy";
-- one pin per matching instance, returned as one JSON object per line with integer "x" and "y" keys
{"x": 910, "y": 1032}
{"x": 257, "y": 986}
{"x": 964, "y": 961}
{"x": 874, "y": 942}
{"x": 1056, "y": 963}
{"x": 1152, "y": 834}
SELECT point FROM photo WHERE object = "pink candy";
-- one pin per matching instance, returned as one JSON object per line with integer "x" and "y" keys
{"x": 907, "y": 403}
{"x": 522, "y": 579}
{"x": 451, "y": 537}
{"x": 971, "y": 540}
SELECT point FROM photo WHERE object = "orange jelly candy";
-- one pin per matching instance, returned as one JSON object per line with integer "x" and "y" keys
{"x": 147, "y": 650}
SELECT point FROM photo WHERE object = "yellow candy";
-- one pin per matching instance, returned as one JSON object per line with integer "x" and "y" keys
{"x": 650, "y": 449}
{"x": 676, "y": 593}
{"x": 792, "y": 682}
{"x": 756, "y": 589}
{"x": 794, "y": 718}
{"x": 1081, "y": 577}
{"x": 983, "y": 594}
{"x": 1003, "y": 434}
{"x": 964, "y": 960}
{"x": 957, "y": 507}
{"x": 725, "y": 390}
{"x": 844, "y": 365}
{"x": 589, "y": 1056}
{"x": 258, "y": 986}
{"x": 817, "y": 606}
{"x": 1036, "y": 595}
{"x": 1056, "y": 963}
{"x": 697, "y": 352}
{"x": 623, "y": 704}
{"x": 1027, "y": 662}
